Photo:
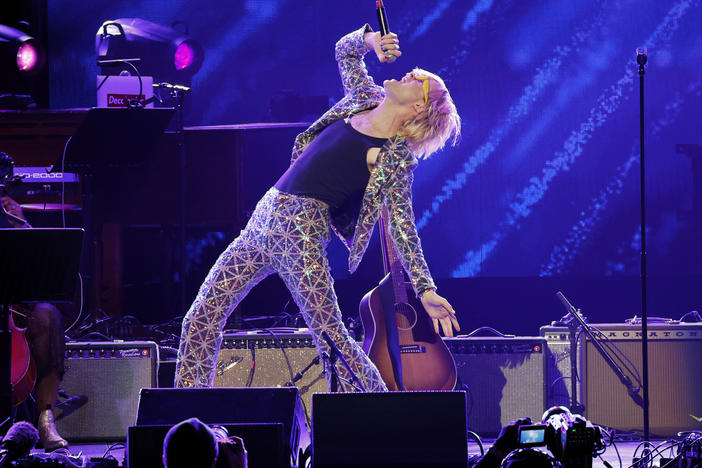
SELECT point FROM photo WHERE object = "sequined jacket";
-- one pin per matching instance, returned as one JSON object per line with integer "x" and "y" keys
{"x": 390, "y": 180}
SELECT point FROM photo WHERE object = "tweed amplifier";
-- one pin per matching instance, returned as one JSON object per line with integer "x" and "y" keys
{"x": 504, "y": 379}
{"x": 104, "y": 380}
{"x": 675, "y": 380}
{"x": 258, "y": 360}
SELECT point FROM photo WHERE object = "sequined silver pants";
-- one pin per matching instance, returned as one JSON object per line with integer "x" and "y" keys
{"x": 287, "y": 234}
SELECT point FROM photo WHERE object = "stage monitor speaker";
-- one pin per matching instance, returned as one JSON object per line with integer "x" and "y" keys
{"x": 103, "y": 380}
{"x": 234, "y": 363}
{"x": 263, "y": 443}
{"x": 675, "y": 380}
{"x": 168, "y": 406}
{"x": 504, "y": 378}
{"x": 391, "y": 429}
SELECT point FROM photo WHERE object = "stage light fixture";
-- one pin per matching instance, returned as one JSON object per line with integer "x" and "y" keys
{"x": 184, "y": 56}
{"x": 166, "y": 54}
{"x": 28, "y": 55}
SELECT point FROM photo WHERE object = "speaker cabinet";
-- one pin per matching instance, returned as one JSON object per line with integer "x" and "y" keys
{"x": 222, "y": 406}
{"x": 104, "y": 380}
{"x": 239, "y": 351}
{"x": 393, "y": 429}
{"x": 504, "y": 379}
{"x": 675, "y": 380}
{"x": 263, "y": 443}
{"x": 558, "y": 366}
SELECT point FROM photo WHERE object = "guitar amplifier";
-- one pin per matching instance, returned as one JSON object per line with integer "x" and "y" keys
{"x": 103, "y": 380}
{"x": 675, "y": 380}
{"x": 558, "y": 366}
{"x": 258, "y": 360}
{"x": 504, "y": 379}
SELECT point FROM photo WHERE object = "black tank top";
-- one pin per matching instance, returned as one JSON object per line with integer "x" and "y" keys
{"x": 333, "y": 168}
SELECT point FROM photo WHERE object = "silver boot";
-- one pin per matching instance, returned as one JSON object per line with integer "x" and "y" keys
{"x": 50, "y": 439}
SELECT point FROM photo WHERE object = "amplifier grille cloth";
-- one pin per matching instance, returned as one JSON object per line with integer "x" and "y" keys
{"x": 109, "y": 388}
{"x": 675, "y": 384}
{"x": 503, "y": 385}
{"x": 271, "y": 370}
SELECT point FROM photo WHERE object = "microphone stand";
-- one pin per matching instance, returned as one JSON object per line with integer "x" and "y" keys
{"x": 641, "y": 59}
{"x": 178, "y": 92}
{"x": 300, "y": 374}
{"x": 623, "y": 378}
{"x": 180, "y": 99}
{"x": 573, "y": 327}
{"x": 332, "y": 357}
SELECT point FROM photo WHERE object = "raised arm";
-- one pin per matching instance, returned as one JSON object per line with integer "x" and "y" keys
{"x": 351, "y": 49}
{"x": 358, "y": 85}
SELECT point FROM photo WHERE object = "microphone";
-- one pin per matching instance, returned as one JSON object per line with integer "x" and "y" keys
{"x": 382, "y": 18}
{"x": 332, "y": 346}
{"x": 383, "y": 24}
{"x": 175, "y": 87}
{"x": 18, "y": 442}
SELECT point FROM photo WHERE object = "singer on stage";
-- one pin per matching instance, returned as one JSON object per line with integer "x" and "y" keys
{"x": 360, "y": 154}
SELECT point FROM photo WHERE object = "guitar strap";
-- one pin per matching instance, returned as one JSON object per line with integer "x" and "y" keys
{"x": 393, "y": 343}
{"x": 391, "y": 334}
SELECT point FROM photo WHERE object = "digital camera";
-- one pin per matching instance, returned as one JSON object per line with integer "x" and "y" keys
{"x": 572, "y": 440}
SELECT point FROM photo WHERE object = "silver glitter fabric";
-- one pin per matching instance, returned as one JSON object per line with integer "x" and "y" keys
{"x": 390, "y": 180}
{"x": 286, "y": 234}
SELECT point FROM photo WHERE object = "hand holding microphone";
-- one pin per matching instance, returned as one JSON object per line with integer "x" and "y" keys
{"x": 385, "y": 44}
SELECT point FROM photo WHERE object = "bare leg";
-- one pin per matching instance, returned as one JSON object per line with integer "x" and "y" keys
{"x": 46, "y": 390}
{"x": 45, "y": 332}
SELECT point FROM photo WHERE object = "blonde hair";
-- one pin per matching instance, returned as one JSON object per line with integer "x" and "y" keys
{"x": 429, "y": 130}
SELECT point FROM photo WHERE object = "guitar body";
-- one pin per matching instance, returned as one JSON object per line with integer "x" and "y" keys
{"x": 23, "y": 370}
{"x": 404, "y": 329}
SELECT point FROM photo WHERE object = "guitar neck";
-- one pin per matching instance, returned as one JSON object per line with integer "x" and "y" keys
{"x": 392, "y": 262}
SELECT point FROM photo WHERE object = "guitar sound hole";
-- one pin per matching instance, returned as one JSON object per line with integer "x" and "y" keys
{"x": 406, "y": 316}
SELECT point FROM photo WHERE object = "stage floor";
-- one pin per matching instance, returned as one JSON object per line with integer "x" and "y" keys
{"x": 626, "y": 451}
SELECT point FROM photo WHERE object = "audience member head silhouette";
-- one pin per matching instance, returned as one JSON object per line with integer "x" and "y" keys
{"x": 190, "y": 444}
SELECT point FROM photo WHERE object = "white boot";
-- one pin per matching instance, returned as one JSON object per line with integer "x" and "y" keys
{"x": 50, "y": 439}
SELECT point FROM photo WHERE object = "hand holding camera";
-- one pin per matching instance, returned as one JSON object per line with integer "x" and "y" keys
{"x": 572, "y": 440}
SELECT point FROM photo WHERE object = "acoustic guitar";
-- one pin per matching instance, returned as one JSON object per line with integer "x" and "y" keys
{"x": 399, "y": 336}
{"x": 23, "y": 370}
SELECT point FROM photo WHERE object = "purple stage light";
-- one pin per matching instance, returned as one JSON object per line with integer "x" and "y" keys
{"x": 184, "y": 56}
{"x": 164, "y": 53}
{"x": 27, "y": 57}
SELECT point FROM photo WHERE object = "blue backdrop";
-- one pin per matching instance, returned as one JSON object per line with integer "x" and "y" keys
{"x": 545, "y": 181}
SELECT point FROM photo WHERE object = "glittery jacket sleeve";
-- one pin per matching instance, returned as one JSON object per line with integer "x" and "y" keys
{"x": 404, "y": 233}
{"x": 349, "y": 52}
{"x": 360, "y": 91}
